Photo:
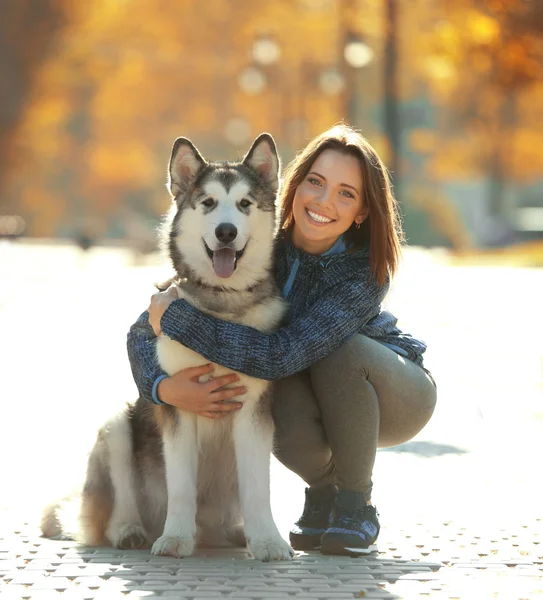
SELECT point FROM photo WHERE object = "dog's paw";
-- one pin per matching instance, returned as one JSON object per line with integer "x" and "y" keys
{"x": 270, "y": 549}
{"x": 127, "y": 536}
{"x": 177, "y": 547}
{"x": 132, "y": 537}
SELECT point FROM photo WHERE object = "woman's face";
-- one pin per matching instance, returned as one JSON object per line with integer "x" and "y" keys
{"x": 327, "y": 201}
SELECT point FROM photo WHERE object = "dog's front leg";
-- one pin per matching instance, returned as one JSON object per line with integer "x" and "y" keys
{"x": 253, "y": 439}
{"x": 181, "y": 461}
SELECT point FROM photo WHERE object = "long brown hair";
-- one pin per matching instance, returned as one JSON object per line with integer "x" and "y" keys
{"x": 381, "y": 229}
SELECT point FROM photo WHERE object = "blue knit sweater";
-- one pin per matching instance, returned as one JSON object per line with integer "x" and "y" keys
{"x": 331, "y": 298}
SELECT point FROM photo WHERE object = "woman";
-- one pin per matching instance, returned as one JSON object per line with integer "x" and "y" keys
{"x": 348, "y": 380}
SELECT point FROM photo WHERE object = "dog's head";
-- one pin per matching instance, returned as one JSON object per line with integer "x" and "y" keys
{"x": 225, "y": 214}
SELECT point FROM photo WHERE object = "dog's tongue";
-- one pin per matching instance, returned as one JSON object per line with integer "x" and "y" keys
{"x": 224, "y": 261}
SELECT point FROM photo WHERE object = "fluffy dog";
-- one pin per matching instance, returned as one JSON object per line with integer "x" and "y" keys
{"x": 161, "y": 476}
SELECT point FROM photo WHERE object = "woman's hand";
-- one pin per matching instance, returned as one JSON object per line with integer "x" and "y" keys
{"x": 159, "y": 303}
{"x": 183, "y": 391}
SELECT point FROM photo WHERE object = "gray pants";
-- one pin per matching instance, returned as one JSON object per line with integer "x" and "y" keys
{"x": 331, "y": 418}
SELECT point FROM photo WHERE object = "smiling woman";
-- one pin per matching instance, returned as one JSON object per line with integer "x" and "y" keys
{"x": 339, "y": 186}
{"x": 347, "y": 379}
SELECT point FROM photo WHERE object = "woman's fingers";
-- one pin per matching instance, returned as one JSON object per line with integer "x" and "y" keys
{"x": 172, "y": 292}
{"x": 210, "y": 414}
{"x": 222, "y": 409}
{"x": 219, "y": 382}
{"x": 220, "y": 395}
{"x": 225, "y": 406}
{"x": 195, "y": 372}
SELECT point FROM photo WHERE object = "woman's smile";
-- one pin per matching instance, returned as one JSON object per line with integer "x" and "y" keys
{"x": 317, "y": 218}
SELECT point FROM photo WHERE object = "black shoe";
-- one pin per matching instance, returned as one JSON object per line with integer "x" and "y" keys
{"x": 354, "y": 526}
{"x": 307, "y": 531}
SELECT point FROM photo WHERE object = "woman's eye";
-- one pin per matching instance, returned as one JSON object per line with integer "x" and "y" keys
{"x": 208, "y": 202}
{"x": 245, "y": 203}
{"x": 314, "y": 181}
{"x": 347, "y": 193}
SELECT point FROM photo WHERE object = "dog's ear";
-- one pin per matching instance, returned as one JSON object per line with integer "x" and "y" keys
{"x": 185, "y": 163}
{"x": 262, "y": 158}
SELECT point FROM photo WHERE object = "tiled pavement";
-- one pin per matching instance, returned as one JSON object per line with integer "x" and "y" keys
{"x": 440, "y": 560}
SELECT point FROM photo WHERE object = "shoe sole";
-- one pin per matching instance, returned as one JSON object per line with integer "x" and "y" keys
{"x": 305, "y": 542}
{"x": 336, "y": 548}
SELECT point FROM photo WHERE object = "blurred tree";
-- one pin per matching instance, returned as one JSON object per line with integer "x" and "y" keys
{"x": 125, "y": 79}
{"x": 488, "y": 58}
{"x": 28, "y": 32}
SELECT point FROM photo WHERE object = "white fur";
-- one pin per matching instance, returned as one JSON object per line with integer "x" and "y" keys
{"x": 181, "y": 458}
{"x": 253, "y": 444}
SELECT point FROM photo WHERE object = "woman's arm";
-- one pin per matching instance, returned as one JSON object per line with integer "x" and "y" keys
{"x": 141, "y": 346}
{"x": 332, "y": 320}
{"x": 183, "y": 389}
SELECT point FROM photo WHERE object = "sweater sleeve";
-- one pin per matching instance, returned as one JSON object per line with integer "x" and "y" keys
{"x": 334, "y": 318}
{"x": 141, "y": 346}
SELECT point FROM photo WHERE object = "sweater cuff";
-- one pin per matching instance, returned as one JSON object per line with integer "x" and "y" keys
{"x": 154, "y": 392}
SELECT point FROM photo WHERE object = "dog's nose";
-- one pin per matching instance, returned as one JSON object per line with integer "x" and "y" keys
{"x": 226, "y": 233}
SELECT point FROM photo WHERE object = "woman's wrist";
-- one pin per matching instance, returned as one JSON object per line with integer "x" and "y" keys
{"x": 163, "y": 390}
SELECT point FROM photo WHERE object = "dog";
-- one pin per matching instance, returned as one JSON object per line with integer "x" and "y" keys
{"x": 167, "y": 478}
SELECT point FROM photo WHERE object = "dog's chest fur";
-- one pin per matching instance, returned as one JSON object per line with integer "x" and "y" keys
{"x": 246, "y": 308}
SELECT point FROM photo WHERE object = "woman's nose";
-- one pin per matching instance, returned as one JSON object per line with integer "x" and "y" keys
{"x": 325, "y": 198}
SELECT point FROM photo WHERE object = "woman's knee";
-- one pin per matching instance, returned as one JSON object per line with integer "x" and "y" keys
{"x": 397, "y": 431}
{"x": 349, "y": 358}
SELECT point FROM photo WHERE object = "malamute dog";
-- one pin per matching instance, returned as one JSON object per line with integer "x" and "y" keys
{"x": 160, "y": 476}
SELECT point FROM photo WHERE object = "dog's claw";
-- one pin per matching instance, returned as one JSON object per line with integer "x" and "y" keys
{"x": 177, "y": 547}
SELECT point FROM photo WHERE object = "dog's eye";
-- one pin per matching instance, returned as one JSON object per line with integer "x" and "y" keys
{"x": 245, "y": 203}
{"x": 208, "y": 202}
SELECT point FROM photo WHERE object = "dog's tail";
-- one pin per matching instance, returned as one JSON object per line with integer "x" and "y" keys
{"x": 51, "y": 526}
{"x": 60, "y": 518}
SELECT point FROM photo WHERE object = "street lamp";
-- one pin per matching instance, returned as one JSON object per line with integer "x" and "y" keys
{"x": 392, "y": 123}
{"x": 252, "y": 80}
{"x": 266, "y": 51}
{"x": 331, "y": 82}
{"x": 357, "y": 53}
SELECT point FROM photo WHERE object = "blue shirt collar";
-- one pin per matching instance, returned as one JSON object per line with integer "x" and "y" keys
{"x": 337, "y": 248}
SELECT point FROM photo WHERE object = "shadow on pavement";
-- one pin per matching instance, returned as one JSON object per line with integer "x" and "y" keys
{"x": 231, "y": 572}
{"x": 428, "y": 449}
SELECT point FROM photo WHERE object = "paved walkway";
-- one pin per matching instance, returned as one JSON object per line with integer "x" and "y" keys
{"x": 460, "y": 505}
{"x": 422, "y": 561}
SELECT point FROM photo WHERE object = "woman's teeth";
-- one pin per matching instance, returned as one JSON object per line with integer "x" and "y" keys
{"x": 318, "y": 218}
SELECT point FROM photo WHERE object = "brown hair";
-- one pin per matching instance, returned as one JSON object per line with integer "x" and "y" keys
{"x": 381, "y": 229}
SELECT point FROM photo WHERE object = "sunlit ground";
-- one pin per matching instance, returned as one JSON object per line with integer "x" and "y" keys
{"x": 64, "y": 316}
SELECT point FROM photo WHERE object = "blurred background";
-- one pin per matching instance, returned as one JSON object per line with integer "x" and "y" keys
{"x": 94, "y": 93}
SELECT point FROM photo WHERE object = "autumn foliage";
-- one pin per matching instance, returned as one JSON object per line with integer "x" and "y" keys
{"x": 111, "y": 83}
